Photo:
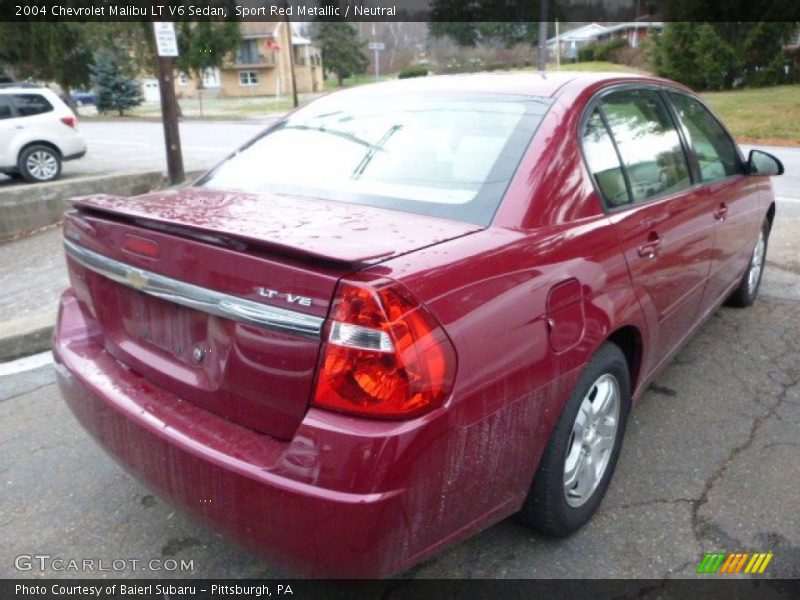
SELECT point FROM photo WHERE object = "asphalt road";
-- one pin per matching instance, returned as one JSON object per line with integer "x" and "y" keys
{"x": 126, "y": 146}
{"x": 709, "y": 464}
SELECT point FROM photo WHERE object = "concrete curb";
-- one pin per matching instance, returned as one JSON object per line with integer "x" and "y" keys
{"x": 23, "y": 337}
{"x": 27, "y": 208}
{"x": 20, "y": 215}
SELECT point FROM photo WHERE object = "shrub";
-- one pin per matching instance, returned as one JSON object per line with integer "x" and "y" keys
{"x": 606, "y": 51}
{"x": 586, "y": 54}
{"x": 413, "y": 71}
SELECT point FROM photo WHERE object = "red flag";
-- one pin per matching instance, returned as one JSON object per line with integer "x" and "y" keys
{"x": 271, "y": 44}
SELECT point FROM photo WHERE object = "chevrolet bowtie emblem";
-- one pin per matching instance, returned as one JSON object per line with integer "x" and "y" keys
{"x": 136, "y": 279}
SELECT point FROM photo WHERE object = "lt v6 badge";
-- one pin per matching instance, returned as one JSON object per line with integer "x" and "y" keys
{"x": 290, "y": 298}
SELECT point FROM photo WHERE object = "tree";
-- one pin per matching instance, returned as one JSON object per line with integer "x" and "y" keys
{"x": 342, "y": 51}
{"x": 725, "y": 54}
{"x": 45, "y": 51}
{"x": 115, "y": 91}
{"x": 203, "y": 46}
{"x": 507, "y": 22}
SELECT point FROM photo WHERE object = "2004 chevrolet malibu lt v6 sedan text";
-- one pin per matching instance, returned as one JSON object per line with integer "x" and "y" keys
{"x": 409, "y": 310}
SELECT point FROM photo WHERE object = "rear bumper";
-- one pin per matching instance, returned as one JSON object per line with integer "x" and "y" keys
{"x": 76, "y": 155}
{"x": 72, "y": 145}
{"x": 344, "y": 498}
{"x": 242, "y": 483}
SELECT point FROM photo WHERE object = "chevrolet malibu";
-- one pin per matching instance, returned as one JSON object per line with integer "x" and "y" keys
{"x": 407, "y": 311}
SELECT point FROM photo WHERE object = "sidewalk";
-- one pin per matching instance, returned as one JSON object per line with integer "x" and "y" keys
{"x": 32, "y": 277}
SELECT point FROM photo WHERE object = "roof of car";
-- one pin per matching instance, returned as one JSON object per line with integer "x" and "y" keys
{"x": 541, "y": 84}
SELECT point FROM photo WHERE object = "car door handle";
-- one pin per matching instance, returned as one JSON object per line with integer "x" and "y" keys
{"x": 721, "y": 213}
{"x": 651, "y": 248}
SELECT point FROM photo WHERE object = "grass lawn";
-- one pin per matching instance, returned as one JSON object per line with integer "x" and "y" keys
{"x": 761, "y": 115}
{"x": 331, "y": 84}
{"x": 595, "y": 67}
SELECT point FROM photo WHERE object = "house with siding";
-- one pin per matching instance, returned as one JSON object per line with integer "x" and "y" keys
{"x": 261, "y": 65}
{"x": 569, "y": 42}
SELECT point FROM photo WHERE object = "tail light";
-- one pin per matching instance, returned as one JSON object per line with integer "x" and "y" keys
{"x": 385, "y": 355}
{"x": 69, "y": 121}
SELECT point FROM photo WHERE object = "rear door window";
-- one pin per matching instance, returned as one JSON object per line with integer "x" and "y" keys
{"x": 648, "y": 142}
{"x": 715, "y": 150}
{"x": 28, "y": 105}
{"x": 603, "y": 161}
{"x": 5, "y": 108}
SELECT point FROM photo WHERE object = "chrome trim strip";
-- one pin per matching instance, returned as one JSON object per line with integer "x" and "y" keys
{"x": 194, "y": 296}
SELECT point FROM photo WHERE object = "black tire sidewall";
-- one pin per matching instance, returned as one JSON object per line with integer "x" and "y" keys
{"x": 23, "y": 158}
{"x": 547, "y": 504}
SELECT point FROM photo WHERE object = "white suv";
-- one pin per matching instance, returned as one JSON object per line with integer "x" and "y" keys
{"x": 37, "y": 133}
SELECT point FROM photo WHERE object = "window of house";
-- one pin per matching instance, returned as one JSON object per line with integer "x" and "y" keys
{"x": 182, "y": 79}
{"x": 715, "y": 150}
{"x": 28, "y": 105}
{"x": 648, "y": 143}
{"x": 248, "y": 77}
{"x": 247, "y": 53}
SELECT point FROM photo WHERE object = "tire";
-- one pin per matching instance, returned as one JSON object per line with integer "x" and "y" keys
{"x": 747, "y": 291}
{"x": 555, "y": 506}
{"x": 39, "y": 163}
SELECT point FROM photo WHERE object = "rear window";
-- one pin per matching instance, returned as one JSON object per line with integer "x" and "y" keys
{"x": 28, "y": 105}
{"x": 446, "y": 155}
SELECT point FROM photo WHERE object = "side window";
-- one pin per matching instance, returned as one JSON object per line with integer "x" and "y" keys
{"x": 648, "y": 143}
{"x": 5, "y": 108}
{"x": 28, "y": 105}
{"x": 715, "y": 150}
{"x": 603, "y": 162}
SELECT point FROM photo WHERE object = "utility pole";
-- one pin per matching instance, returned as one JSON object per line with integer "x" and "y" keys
{"x": 167, "y": 47}
{"x": 543, "y": 35}
{"x": 291, "y": 61}
{"x": 377, "y": 56}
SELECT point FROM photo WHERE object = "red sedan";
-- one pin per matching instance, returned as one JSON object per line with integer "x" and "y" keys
{"x": 409, "y": 310}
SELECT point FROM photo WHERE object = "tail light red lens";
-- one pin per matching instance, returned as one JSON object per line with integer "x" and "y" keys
{"x": 69, "y": 121}
{"x": 385, "y": 355}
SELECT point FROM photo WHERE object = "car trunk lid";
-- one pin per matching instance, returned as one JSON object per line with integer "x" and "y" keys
{"x": 220, "y": 298}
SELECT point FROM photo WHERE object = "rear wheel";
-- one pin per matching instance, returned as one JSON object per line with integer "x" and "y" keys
{"x": 747, "y": 292}
{"x": 580, "y": 459}
{"x": 39, "y": 163}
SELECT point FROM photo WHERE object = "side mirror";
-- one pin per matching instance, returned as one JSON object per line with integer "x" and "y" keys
{"x": 762, "y": 163}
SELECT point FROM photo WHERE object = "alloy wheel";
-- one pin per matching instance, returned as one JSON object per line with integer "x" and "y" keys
{"x": 592, "y": 440}
{"x": 756, "y": 263}
{"x": 42, "y": 165}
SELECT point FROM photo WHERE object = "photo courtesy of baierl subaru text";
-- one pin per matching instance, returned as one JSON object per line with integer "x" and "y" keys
{"x": 399, "y": 299}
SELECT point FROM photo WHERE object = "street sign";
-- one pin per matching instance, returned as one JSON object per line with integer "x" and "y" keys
{"x": 166, "y": 41}
{"x": 377, "y": 46}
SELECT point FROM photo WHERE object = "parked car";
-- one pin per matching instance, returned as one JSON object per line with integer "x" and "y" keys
{"x": 83, "y": 97}
{"x": 407, "y": 311}
{"x": 37, "y": 133}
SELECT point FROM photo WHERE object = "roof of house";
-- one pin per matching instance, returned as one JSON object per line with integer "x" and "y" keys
{"x": 595, "y": 30}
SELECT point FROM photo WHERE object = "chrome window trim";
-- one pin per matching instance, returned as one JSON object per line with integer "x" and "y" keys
{"x": 197, "y": 297}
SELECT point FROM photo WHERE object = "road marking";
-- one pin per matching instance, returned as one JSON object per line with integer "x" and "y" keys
{"x": 28, "y": 363}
